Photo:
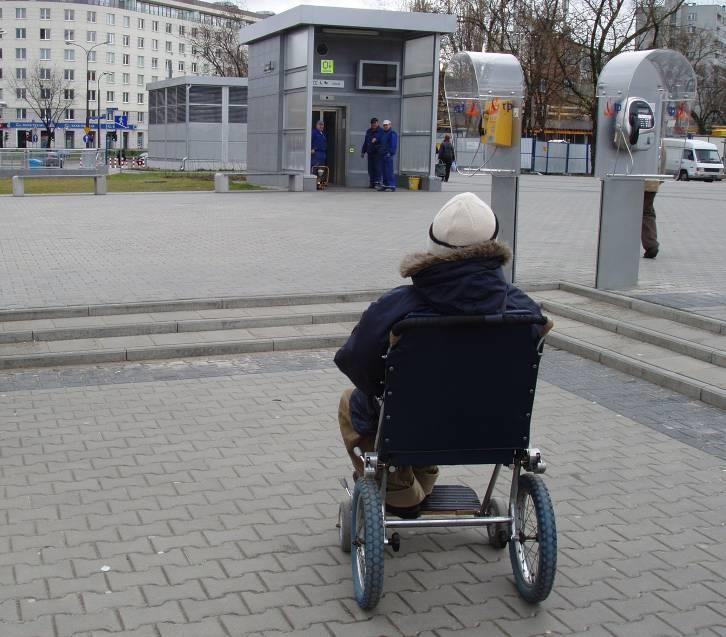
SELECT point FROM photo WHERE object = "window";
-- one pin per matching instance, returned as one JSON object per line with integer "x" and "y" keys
{"x": 195, "y": 68}
{"x": 126, "y": 40}
{"x": 90, "y": 36}
{"x": 21, "y": 113}
{"x": 126, "y": 59}
{"x": 125, "y": 98}
{"x": 140, "y": 117}
{"x": 21, "y": 54}
{"x": 44, "y": 73}
{"x": 69, "y": 74}
{"x": 111, "y": 38}
{"x": 182, "y": 30}
{"x": 69, "y": 15}
{"x": 91, "y": 16}
{"x": 45, "y": 14}
{"x": 20, "y": 93}
{"x": 92, "y": 95}
{"x": 168, "y": 46}
{"x": 139, "y": 80}
{"x": 44, "y": 93}
{"x": 195, "y": 32}
{"x": 155, "y": 25}
{"x": 126, "y": 78}
{"x": 139, "y": 140}
{"x": 109, "y": 96}
{"x": 20, "y": 74}
{"x": 110, "y": 57}
{"x": 182, "y": 48}
{"x": 168, "y": 27}
{"x": 45, "y": 113}
{"x": 181, "y": 66}
{"x": 45, "y": 54}
{"x": 111, "y": 78}
{"x": 91, "y": 112}
{"x": 140, "y": 23}
{"x": 140, "y": 61}
{"x": 20, "y": 34}
{"x": 168, "y": 67}
{"x": 139, "y": 43}
{"x": 139, "y": 98}
{"x": 68, "y": 94}
{"x": 69, "y": 55}
{"x": 154, "y": 64}
{"x": 91, "y": 56}
{"x": 20, "y": 13}
{"x": 45, "y": 34}
{"x": 110, "y": 19}
{"x": 154, "y": 78}
{"x": 70, "y": 114}
{"x": 127, "y": 22}
{"x": 69, "y": 35}
{"x": 92, "y": 76}
{"x": 155, "y": 45}
{"x": 692, "y": 17}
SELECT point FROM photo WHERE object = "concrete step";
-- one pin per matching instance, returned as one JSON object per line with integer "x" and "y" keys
{"x": 696, "y": 342}
{"x": 659, "y": 346}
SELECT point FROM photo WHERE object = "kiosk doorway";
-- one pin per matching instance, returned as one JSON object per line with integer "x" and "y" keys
{"x": 334, "y": 120}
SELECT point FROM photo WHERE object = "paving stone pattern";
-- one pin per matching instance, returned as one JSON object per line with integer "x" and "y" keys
{"x": 206, "y": 506}
{"x": 65, "y": 250}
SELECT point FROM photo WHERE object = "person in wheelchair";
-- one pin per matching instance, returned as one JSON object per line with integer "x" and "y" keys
{"x": 459, "y": 274}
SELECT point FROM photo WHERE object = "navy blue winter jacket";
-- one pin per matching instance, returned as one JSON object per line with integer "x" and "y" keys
{"x": 468, "y": 281}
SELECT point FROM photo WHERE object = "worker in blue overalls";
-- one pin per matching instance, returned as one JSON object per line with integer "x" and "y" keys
{"x": 371, "y": 147}
{"x": 319, "y": 146}
{"x": 389, "y": 146}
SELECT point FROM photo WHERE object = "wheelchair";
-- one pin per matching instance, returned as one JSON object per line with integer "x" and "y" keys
{"x": 458, "y": 390}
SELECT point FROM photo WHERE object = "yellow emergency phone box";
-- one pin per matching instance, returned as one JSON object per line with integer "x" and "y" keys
{"x": 498, "y": 122}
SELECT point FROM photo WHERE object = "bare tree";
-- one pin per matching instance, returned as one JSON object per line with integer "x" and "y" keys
{"x": 47, "y": 93}
{"x": 217, "y": 42}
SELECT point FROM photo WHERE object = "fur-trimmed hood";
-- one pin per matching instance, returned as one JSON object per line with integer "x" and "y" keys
{"x": 499, "y": 253}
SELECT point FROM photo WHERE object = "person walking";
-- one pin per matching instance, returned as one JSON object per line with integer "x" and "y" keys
{"x": 371, "y": 147}
{"x": 388, "y": 148}
{"x": 459, "y": 273}
{"x": 446, "y": 155}
{"x": 318, "y": 146}
{"x": 648, "y": 228}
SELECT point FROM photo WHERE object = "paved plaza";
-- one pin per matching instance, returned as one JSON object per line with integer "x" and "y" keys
{"x": 198, "y": 498}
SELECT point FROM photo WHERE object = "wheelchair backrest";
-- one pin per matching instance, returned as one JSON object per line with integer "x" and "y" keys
{"x": 459, "y": 390}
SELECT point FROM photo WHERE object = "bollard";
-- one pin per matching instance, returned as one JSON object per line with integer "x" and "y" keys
{"x": 99, "y": 185}
{"x": 18, "y": 186}
{"x": 221, "y": 182}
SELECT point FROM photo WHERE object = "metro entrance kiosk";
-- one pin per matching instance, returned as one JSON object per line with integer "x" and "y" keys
{"x": 637, "y": 93}
{"x": 484, "y": 93}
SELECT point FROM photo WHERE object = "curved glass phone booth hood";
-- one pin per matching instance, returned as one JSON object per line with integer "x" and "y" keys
{"x": 484, "y": 93}
{"x": 650, "y": 91}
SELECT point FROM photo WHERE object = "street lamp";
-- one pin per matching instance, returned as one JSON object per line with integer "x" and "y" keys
{"x": 98, "y": 101}
{"x": 88, "y": 53}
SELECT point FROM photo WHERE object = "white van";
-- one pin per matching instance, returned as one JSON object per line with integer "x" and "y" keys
{"x": 692, "y": 159}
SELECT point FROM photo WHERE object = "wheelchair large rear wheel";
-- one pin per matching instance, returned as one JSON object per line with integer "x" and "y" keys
{"x": 368, "y": 540}
{"x": 533, "y": 550}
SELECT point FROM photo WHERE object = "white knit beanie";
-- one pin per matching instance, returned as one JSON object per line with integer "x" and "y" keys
{"x": 464, "y": 220}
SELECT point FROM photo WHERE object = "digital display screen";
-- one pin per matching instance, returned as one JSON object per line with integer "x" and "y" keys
{"x": 378, "y": 75}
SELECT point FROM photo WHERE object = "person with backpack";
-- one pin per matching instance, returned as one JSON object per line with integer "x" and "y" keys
{"x": 446, "y": 155}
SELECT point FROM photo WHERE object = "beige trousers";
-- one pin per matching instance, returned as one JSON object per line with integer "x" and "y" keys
{"x": 407, "y": 486}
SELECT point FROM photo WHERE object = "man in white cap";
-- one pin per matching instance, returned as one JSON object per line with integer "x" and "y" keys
{"x": 387, "y": 150}
{"x": 459, "y": 273}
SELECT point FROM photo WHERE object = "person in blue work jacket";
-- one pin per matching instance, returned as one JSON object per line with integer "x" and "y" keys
{"x": 319, "y": 147}
{"x": 371, "y": 147}
{"x": 388, "y": 148}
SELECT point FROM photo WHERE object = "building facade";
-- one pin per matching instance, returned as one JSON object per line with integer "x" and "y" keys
{"x": 123, "y": 45}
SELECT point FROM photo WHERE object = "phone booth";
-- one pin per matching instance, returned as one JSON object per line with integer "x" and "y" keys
{"x": 484, "y": 93}
{"x": 638, "y": 92}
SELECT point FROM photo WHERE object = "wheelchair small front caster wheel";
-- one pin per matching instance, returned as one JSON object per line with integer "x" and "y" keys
{"x": 344, "y": 514}
{"x": 395, "y": 542}
{"x": 498, "y": 533}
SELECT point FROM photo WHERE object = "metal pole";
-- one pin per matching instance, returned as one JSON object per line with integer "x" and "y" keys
{"x": 98, "y": 115}
{"x": 88, "y": 89}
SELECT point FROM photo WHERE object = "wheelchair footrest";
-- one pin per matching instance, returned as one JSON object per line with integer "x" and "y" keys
{"x": 452, "y": 498}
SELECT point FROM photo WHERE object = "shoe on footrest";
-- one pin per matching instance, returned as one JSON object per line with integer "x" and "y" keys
{"x": 405, "y": 513}
{"x": 451, "y": 498}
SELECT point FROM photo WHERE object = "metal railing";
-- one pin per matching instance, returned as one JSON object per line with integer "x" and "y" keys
{"x": 49, "y": 159}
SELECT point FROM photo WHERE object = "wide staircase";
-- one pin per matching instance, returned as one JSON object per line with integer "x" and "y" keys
{"x": 680, "y": 350}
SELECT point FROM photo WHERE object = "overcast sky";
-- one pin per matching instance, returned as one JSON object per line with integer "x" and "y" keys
{"x": 282, "y": 5}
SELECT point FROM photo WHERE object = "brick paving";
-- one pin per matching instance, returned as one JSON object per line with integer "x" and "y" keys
{"x": 200, "y": 503}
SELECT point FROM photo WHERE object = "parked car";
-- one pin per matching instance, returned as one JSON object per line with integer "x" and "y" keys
{"x": 51, "y": 160}
{"x": 692, "y": 159}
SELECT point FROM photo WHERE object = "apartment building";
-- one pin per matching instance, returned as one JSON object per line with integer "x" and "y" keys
{"x": 122, "y": 44}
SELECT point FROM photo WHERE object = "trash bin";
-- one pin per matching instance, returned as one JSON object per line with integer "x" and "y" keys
{"x": 414, "y": 183}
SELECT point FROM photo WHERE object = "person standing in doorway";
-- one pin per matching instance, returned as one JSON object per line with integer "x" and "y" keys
{"x": 371, "y": 147}
{"x": 319, "y": 146}
{"x": 648, "y": 229}
{"x": 446, "y": 155}
{"x": 389, "y": 146}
